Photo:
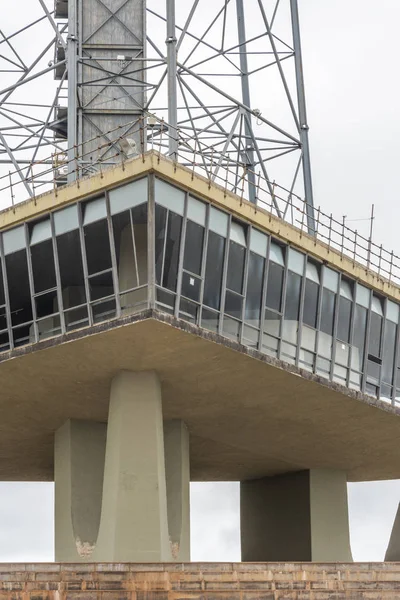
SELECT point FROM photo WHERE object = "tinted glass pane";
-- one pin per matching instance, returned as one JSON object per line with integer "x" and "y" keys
{"x": 172, "y": 251}
{"x": 71, "y": 269}
{"x": 160, "y": 227}
{"x": 233, "y": 304}
{"x": 193, "y": 247}
{"x": 234, "y": 280}
{"x": 274, "y": 286}
{"x": 44, "y": 273}
{"x": 101, "y": 286}
{"x": 97, "y": 247}
{"x": 389, "y": 346}
{"x": 254, "y": 288}
{"x": 292, "y": 297}
{"x": 214, "y": 268}
{"x": 343, "y": 327}
{"x": 360, "y": 323}
{"x": 46, "y": 304}
{"x": 18, "y": 287}
{"x": 327, "y": 311}
{"x": 191, "y": 286}
{"x": 375, "y": 334}
{"x": 310, "y": 303}
{"x": 2, "y": 297}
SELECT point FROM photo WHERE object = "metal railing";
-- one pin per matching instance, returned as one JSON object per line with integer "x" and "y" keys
{"x": 193, "y": 153}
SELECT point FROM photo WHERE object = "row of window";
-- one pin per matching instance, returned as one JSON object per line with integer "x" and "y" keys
{"x": 88, "y": 262}
{"x": 235, "y": 280}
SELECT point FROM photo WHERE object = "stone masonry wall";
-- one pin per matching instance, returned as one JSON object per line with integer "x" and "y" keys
{"x": 200, "y": 581}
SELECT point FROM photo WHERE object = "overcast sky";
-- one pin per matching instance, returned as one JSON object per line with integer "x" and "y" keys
{"x": 351, "y": 60}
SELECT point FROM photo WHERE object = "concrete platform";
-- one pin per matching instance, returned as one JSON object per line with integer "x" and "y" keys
{"x": 205, "y": 581}
{"x": 249, "y": 415}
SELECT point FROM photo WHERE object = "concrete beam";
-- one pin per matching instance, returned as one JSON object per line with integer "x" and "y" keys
{"x": 301, "y": 516}
{"x": 177, "y": 468}
{"x": 79, "y": 451}
{"x": 134, "y": 525}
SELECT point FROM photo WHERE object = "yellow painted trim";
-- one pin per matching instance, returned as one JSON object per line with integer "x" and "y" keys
{"x": 185, "y": 178}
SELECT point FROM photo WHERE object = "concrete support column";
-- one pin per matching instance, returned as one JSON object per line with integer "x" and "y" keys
{"x": 134, "y": 524}
{"x": 78, "y": 473}
{"x": 393, "y": 549}
{"x": 300, "y": 516}
{"x": 177, "y": 467}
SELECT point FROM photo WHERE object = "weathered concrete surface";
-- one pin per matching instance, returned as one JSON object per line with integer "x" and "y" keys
{"x": 393, "y": 549}
{"x": 249, "y": 416}
{"x": 79, "y": 451}
{"x": 201, "y": 581}
{"x": 299, "y": 516}
{"x": 177, "y": 470}
{"x": 134, "y": 524}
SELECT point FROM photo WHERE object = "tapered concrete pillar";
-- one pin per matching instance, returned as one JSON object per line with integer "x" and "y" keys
{"x": 393, "y": 549}
{"x": 134, "y": 523}
{"x": 177, "y": 467}
{"x": 299, "y": 516}
{"x": 78, "y": 473}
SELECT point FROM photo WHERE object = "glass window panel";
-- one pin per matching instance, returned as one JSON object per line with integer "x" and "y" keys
{"x": 40, "y": 231}
{"x": 189, "y": 311}
{"x": 270, "y": 345}
{"x": 193, "y": 247}
{"x": 290, "y": 330}
{"x": 340, "y": 374}
{"x": 218, "y": 221}
{"x": 124, "y": 251}
{"x": 210, "y": 320}
{"x": 392, "y": 311}
{"x": 386, "y": 392}
{"x": 272, "y": 323}
{"x": 3, "y": 318}
{"x": 233, "y": 304}
{"x": 236, "y": 260}
{"x": 310, "y": 303}
{"x": 71, "y": 269}
{"x": 169, "y": 196}
{"x": 344, "y": 317}
{"x": 288, "y": 351}
{"x": 292, "y": 305}
{"x": 165, "y": 300}
{"x": 360, "y": 324}
{"x": 325, "y": 344}
{"x": 76, "y": 318}
{"x": 389, "y": 348}
{"x": 327, "y": 311}
{"x": 94, "y": 211}
{"x": 276, "y": 254}
{"x": 18, "y": 287}
{"x": 66, "y": 220}
{"x": 14, "y": 240}
{"x": 346, "y": 289}
{"x": 373, "y": 371}
{"x": 214, "y": 270}
{"x": 172, "y": 247}
{"x": 191, "y": 286}
{"x": 312, "y": 272}
{"x": 376, "y": 305}
{"x": 197, "y": 211}
{"x": 4, "y": 342}
{"x": 231, "y": 329}
{"x": 362, "y": 295}
{"x": 160, "y": 229}
{"x": 296, "y": 261}
{"x": 375, "y": 334}
{"x": 251, "y": 336}
{"x": 342, "y": 354}
{"x": 44, "y": 273}
{"x": 254, "y": 289}
{"x": 128, "y": 196}
{"x": 306, "y": 359}
{"x": 46, "y": 304}
{"x": 2, "y": 295}
{"x": 259, "y": 242}
{"x": 103, "y": 311}
{"x": 308, "y": 338}
{"x": 97, "y": 244}
{"x": 101, "y": 286}
{"x": 238, "y": 234}
{"x": 323, "y": 365}
{"x": 330, "y": 279}
{"x": 275, "y": 286}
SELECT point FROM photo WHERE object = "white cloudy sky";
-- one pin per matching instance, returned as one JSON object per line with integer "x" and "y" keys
{"x": 351, "y": 60}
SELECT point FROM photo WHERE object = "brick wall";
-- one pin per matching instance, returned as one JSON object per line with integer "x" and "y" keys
{"x": 200, "y": 581}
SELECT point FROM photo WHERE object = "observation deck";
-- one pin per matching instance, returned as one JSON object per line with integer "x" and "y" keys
{"x": 279, "y": 353}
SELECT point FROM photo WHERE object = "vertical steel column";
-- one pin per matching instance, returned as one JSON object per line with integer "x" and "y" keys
{"x": 172, "y": 80}
{"x": 72, "y": 62}
{"x": 301, "y": 99}
{"x": 244, "y": 76}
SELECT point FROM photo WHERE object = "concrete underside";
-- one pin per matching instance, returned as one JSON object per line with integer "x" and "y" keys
{"x": 249, "y": 416}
